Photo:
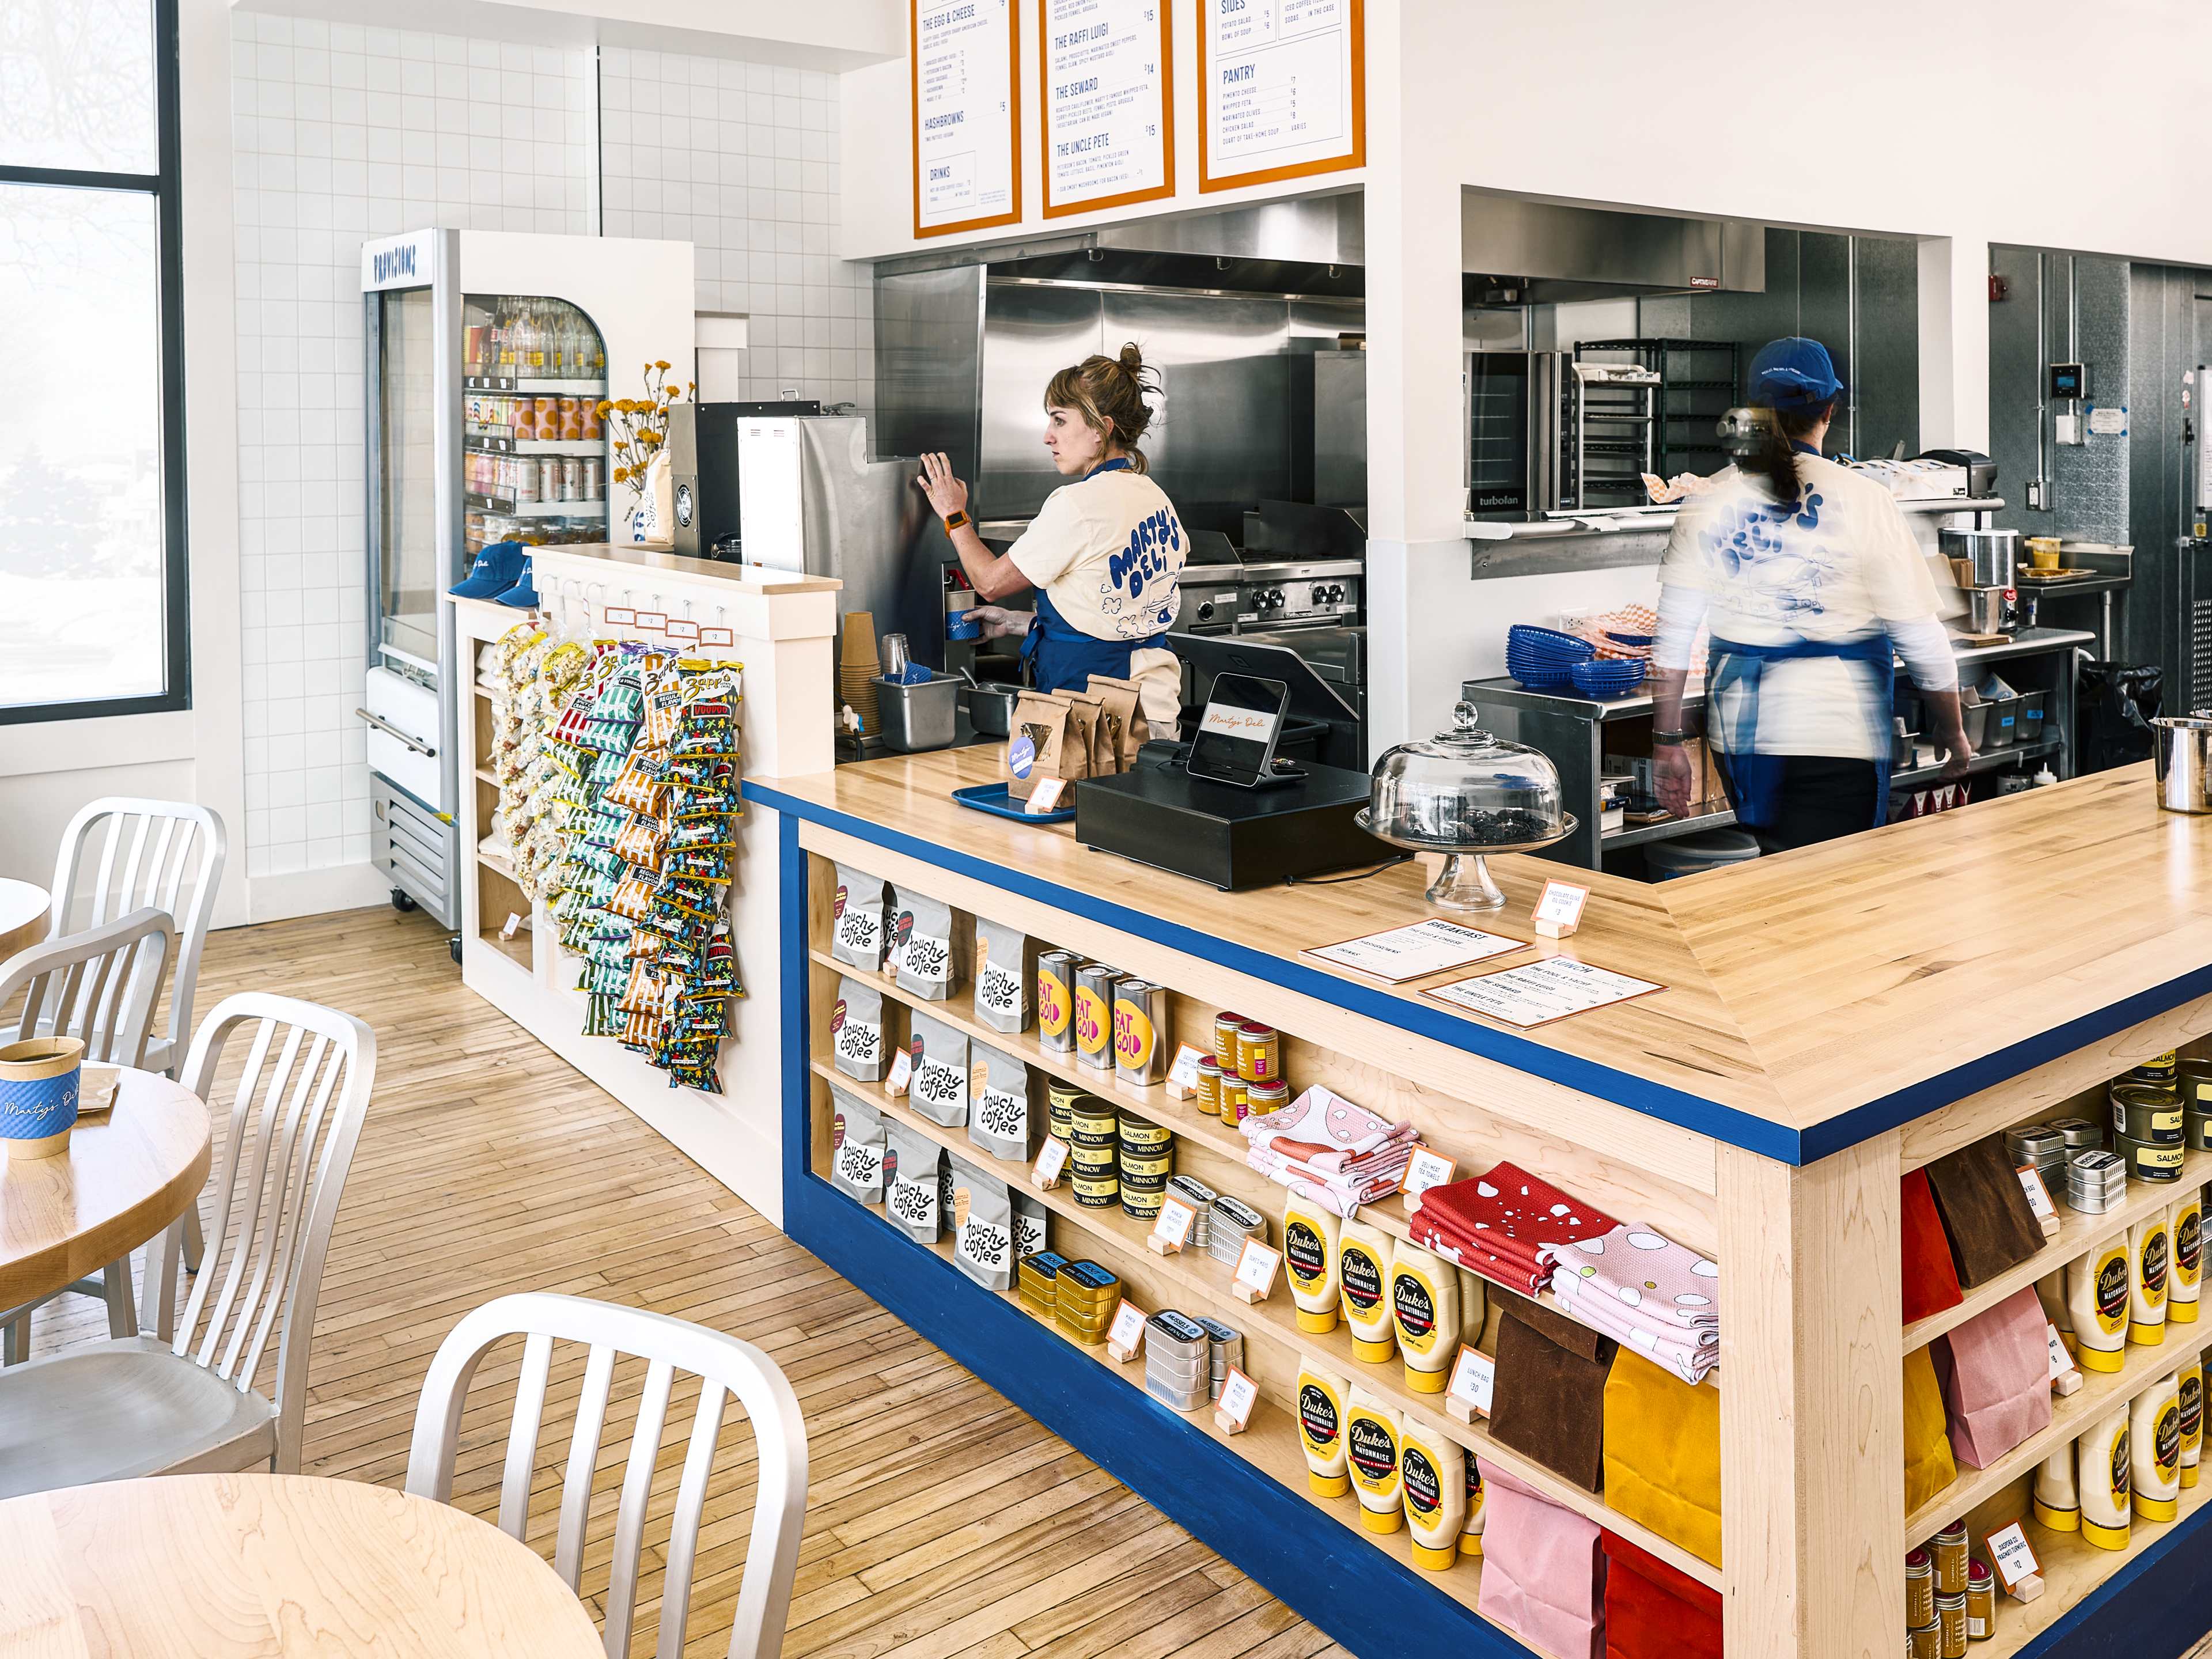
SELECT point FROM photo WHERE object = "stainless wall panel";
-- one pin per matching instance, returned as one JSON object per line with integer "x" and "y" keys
{"x": 1032, "y": 331}
{"x": 929, "y": 360}
{"x": 1220, "y": 441}
{"x": 1885, "y": 351}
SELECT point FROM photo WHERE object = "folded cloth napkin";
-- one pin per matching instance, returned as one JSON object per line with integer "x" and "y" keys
{"x": 1322, "y": 1146}
{"x": 1687, "y": 1360}
{"x": 1497, "y": 1222}
{"x": 1655, "y": 1280}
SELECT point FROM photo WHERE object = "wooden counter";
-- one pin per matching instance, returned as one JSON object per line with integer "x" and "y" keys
{"x": 1832, "y": 1020}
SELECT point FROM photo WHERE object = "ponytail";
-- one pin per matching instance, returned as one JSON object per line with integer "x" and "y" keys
{"x": 1761, "y": 437}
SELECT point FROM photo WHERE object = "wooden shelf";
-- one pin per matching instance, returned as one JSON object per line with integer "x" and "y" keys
{"x": 1270, "y": 1444}
{"x": 2078, "y": 1235}
{"x": 493, "y": 862}
{"x": 515, "y": 950}
{"x": 2072, "y": 1569}
{"x": 1275, "y": 1320}
{"x": 2100, "y": 1393}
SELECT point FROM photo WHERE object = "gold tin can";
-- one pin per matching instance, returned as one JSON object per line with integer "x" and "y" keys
{"x": 2163, "y": 1070}
{"x": 1143, "y": 1205}
{"x": 1144, "y": 1138}
{"x": 1059, "y": 1100}
{"x": 1153, "y": 1171}
{"x": 2193, "y": 1079}
{"x": 1091, "y": 1122}
{"x": 1094, "y": 1016}
{"x": 1140, "y": 1032}
{"x": 1096, "y": 1192}
{"x": 2150, "y": 1160}
{"x": 2146, "y": 1111}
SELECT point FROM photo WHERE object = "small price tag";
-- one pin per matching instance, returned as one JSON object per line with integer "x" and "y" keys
{"x": 1257, "y": 1266}
{"x": 717, "y": 637}
{"x": 2012, "y": 1557}
{"x": 1051, "y": 1159}
{"x": 680, "y": 630}
{"x": 619, "y": 616}
{"x": 2038, "y": 1199}
{"x": 1171, "y": 1229}
{"x": 2066, "y": 1378}
{"x": 1182, "y": 1075}
{"x": 1233, "y": 1410}
{"x": 514, "y": 921}
{"x": 1559, "y": 908}
{"x": 1124, "y": 1337}
{"x": 1046, "y": 796}
{"x": 653, "y": 622}
{"x": 1472, "y": 1375}
{"x": 902, "y": 1073}
{"x": 1427, "y": 1170}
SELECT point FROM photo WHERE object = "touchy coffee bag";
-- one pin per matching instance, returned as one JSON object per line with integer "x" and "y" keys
{"x": 921, "y": 943}
{"x": 856, "y": 1147}
{"x": 1005, "y": 961}
{"x": 938, "y": 1086}
{"x": 983, "y": 1225}
{"x": 859, "y": 1046}
{"x": 911, "y": 1191}
{"x": 999, "y": 1117}
{"x": 856, "y": 926}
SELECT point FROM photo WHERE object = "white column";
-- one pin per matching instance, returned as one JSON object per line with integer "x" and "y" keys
{"x": 1954, "y": 343}
{"x": 1419, "y": 595}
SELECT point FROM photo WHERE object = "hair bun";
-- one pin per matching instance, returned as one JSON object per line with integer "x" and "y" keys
{"x": 1132, "y": 359}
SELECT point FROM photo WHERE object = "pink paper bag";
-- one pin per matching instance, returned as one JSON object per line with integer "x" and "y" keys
{"x": 1542, "y": 1575}
{"x": 1996, "y": 1373}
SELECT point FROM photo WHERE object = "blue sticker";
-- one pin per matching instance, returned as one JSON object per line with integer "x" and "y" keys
{"x": 1021, "y": 756}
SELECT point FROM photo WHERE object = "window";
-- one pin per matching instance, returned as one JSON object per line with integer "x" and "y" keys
{"x": 92, "y": 612}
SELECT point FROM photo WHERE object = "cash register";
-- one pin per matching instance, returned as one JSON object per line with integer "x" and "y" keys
{"x": 1223, "y": 809}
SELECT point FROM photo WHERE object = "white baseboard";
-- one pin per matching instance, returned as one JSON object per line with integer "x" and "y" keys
{"x": 315, "y": 892}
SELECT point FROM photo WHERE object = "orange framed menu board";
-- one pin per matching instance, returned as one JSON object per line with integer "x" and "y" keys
{"x": 1108, "y": 102}
{"x": 1282, "y": 89}
{"x": 967, "y": 114}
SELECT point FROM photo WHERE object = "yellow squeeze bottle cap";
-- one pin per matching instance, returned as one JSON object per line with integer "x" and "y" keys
{"x": 1434, "y": 1560}
{"x": 1320, "y": 1324}
{"x": 1426, "y": 1382}
{"x": 2181, "y": 1313}
{"x": 1373, "y": 1352}
{"x": 1470, "y": 1545}
{"x": 1381, "y": 1520}
{"x": 2105, "y": 1538}
{"x": 2146, "y": 1336}
{"x": 2056, "y": 1519}
{"x": 2188, "y": 1475}
{"x": 2156, "y": 1508}
{"x": 2099, "y": 1360}
{"x": 1329, "y": 1486}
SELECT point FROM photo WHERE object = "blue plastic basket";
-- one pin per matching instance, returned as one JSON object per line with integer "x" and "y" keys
{"x": 1607, "y": 678}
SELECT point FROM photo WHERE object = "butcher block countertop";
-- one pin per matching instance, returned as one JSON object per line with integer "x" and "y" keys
{"x": 1944, "y": 975}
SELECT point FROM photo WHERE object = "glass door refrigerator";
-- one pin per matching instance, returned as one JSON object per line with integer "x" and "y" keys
{"x": 486, "y": 360}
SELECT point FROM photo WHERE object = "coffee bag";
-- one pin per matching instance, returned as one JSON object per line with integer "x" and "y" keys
{"x": 856, "y": 1147}
{"x": 1043, "y": 744}
{"x": 1029, "y": 1223}
{"x": 911, "y": 1192}
{"x": 856, "y": 926}
{"x": 1005, "y": 962}
{"x": 1127, "y": 727}
{"x": 920, "y": 947}
{"x": 858, "y": 1046}
{"x": 938, "y": 1088}
{"x": 999, "y": 1119}
{"x": 983, "y": 1225}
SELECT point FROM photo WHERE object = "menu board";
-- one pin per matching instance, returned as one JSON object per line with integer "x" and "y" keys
{"x": 967, "y": 115}
{"x": 1108, "y": 101}
{"x": 1540, "y": 992}
{"x": 1282, "y": 89}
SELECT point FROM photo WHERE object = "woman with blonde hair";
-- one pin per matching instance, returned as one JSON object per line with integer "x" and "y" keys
{"x": 1104, "y": 554}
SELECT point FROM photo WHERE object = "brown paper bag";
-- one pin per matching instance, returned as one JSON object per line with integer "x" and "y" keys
{"x": 1087, "y": 717}
{"x": 1125, "y": 712}
{"x": 1043, "y": 742}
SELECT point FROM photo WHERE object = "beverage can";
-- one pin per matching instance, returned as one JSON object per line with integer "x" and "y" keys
{"x": 549, "y": 477}
{"x": 572, "y": 479}
{"x": 595, "y": 478}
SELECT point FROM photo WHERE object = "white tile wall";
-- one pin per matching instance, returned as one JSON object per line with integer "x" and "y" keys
{"x": 338, "y": 133}
{"x": 741, "y": 160}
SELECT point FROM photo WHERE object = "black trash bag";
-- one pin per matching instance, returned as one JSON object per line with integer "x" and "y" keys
{"x": 2115, "y": 704}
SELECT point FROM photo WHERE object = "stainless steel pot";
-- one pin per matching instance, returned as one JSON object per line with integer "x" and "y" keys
{"x": 2184, "y": 763}
{"x": 1993, "y": 554}
{"x": 991, "y": 708}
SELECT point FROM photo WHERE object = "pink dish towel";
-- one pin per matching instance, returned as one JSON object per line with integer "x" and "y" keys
{"x": 1543, "y": 1576}
{"x": 1326, "y": 1131}
{"x": 1653, "y": 1278}
{"x": 1690, "y": 1362}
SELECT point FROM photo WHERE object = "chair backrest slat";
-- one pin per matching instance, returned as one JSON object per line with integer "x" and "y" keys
{"x": 727, "y": 1368}
{"x": 168, "y": 855}
{"x": 283, "y": 1148}
{"x": 99, "y": 986}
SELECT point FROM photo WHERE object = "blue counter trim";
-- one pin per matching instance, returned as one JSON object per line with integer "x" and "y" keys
{"x": 2167, "y": 1591}
{"x": 1327, "y": 1573}
{"x": 1693, "y": 1112}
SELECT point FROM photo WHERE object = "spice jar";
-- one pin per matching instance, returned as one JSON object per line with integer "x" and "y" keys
{"x": 1981, "y": 1602}
{"x": 1947, "y": 1550}
{"x": 1926, "y": 1641}
{"x": 1919, "y": 1590}
{"x": 1951, "y": 1621}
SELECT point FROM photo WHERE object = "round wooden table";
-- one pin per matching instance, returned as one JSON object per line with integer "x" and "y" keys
{"x": 275, "y": 1563}
{"x": 23, "y": 906}
{"x": 122, "y": 1179}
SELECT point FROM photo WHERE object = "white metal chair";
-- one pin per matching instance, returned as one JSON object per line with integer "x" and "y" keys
{"x": 166, "y": 854}
{"x": 724, "y": 1365}
{"x": 100, "y": 986}
{"x": 169, "y": 1403}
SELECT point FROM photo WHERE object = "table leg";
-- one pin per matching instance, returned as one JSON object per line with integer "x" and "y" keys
{"x": 115, "y": 1290}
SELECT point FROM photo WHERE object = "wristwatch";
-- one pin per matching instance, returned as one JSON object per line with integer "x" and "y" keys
{"x": 957, "y": 519}
{"x": 1669, "y": 739}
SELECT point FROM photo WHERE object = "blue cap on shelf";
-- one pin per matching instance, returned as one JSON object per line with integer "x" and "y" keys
{"x": 523, "y": 596}
{"x": 498, "y": 567}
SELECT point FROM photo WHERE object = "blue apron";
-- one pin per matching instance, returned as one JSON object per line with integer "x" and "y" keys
{"x": 1753, "y": 779}
{"x": 1058, "y": 656}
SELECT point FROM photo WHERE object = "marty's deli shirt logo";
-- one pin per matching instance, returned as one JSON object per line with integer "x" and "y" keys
{"x": 1138, "y": 596}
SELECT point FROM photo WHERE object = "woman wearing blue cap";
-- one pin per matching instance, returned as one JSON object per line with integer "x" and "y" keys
{"x": 1809, "y": 580}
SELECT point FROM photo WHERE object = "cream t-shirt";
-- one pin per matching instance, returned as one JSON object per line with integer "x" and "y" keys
{"x": 1110, "y": 550}
{"x": 1837, "y": 567}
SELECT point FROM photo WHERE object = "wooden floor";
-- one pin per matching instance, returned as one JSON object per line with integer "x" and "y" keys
{"x": 942, "y": 1522}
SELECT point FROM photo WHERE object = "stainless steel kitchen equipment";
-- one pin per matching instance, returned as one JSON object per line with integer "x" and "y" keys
{"x": 704, "y": 471}
{"x": 915, "y": 715}
{"x": 2183, "y": 759}
{"x": 1987, "y": 561}
{"x": 1465, "y": 793}
{"x": 1513, "y": 410}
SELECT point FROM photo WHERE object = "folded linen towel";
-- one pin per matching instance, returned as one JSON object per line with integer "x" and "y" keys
{"x": 1496, "y": 1258}
{"x": 1690, "y": 1362}
{"x": 1322, "y": 1146}
{"x": 1666, "y": 1284}
{"x": 1497, "y": 1222}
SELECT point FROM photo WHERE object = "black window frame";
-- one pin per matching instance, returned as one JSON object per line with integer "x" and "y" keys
{"x": 165, "y": 186}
